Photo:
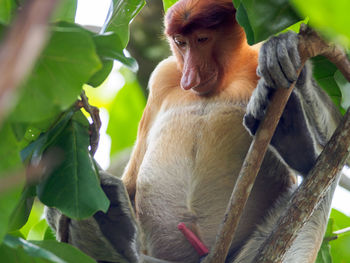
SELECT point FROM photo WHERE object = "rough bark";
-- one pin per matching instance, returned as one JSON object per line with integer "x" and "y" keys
{"x": 309, "y": 194}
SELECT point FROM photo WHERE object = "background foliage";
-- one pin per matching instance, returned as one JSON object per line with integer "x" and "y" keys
{"x": 45, "y": 125}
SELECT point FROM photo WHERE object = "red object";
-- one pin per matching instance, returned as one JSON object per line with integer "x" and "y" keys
{"x": 201, "y": 249}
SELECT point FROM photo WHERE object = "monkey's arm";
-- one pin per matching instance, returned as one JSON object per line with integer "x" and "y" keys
{"x": 107, "y": 237}
{"x": 161, "y": 75}
{"x": 309, "y": 118}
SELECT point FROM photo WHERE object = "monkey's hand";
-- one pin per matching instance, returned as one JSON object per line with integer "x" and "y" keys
{"x": 279, "y": 62}
{"x": 107, "y": 237}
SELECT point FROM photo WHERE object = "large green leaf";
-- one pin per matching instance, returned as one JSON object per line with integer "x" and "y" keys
{"x": 8, "y": 201}
{"x": 32, "y": 153}
{"x": 15, "y": 250}
{"x": 340, "y": 247}
{"x": 65, "y": 11}
{"x": 263, "y": 18}
{"x": 38, "y": 230}
{"x": 121, "y": 14}
{"x": 324, "y": 254}
{"x": 73, "y": 186}
{"x": 35, "y": 216}
{"x": 23, "y": 208}
{"x": 65, "y": 251}
{"x": 168, "y": 3}
{"x": 125, "y": 114}
{"x": 323, "y": 72}
{"x": 330, "y": 17}
{"x": 9, "y": 150}
{"x": 10, "y": 168}
{"x": 7, "y": 9}
{"x": 344, "y": 86}
{"x": 109, "y": 48}
{"x": 67, "y": 62}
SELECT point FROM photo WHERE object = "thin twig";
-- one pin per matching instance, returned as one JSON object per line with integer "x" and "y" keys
{"x": 342, "y": 231}
{"x": 21, "y": 47}
{"x": 310, "y": 44}
{"x": 96, "y": 121}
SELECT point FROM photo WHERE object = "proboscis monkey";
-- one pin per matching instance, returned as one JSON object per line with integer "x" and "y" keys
{"x": 204, "y": 104}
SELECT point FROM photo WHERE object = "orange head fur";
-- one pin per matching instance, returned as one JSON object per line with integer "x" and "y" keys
{"x": 207, "y": 42}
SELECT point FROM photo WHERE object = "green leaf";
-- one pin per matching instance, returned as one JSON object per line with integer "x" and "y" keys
{"x": 65, "y": 11}
{"x": 9, "y": 156}
{"x": 340, "y": 247}
{"x": 38, "y": 231}
{"x": 49, "y": 234}
{"x": 121, "y": 14}
{"x": 19, "y": 250}
{"x": 65, "y": 251}
{"x": 7, "y": 10}
{"x": 68, "y": 61}
{"x": 35, "y": 216}
{"x": 20, "y": 214}
{"x": 344, "y": 86}
{"x": 34, "y": 150}
{"x": 168, "y": 3}
{"x": 125, "y": 114}
{"x": 73, "y": 186}
{"x": 324, "y": 254}
{"x": 263, "y": 18}
{"x": 10, "y": 172}
{"x": 8, "y": 201}
{"x": 323, "y": 72}
{"x": 242, "y": 17}
{"x": 109, "y": 47}
{"x": 330, "y": 17}
{"x": 15, "y": 250}
{"x": 100, "y": 76}
{"x": 329, "y": 230}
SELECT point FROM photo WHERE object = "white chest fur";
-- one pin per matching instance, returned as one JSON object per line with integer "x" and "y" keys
{"x": 194, "y": 154}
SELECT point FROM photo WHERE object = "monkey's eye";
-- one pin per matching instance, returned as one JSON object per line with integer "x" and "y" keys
{"x": 179, "y": 42}
{"x": 202, "y": 39}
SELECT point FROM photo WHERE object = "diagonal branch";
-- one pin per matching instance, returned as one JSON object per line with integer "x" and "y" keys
{"x": 21, "y": 47}
{"x": 309, "y": 194}
{"x": 310, "y": 44}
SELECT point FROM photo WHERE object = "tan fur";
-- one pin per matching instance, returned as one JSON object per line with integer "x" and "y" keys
{"x": 188, "y": 154}
{"x": 190, "y": 148}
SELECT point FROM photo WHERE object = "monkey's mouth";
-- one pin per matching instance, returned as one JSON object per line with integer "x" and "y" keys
{"x": 207, "y": 86}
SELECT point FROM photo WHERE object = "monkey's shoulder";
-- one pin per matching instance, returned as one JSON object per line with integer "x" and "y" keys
{"x": 165, "y": 75}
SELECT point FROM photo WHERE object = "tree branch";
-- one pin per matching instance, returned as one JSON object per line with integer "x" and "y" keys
{"x": 308, "y": 195}
{"x": 21, "y": 47}
{"x": 310, "y": 44}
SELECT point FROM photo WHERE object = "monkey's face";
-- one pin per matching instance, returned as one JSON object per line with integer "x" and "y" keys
{"x": 195, "y": 50}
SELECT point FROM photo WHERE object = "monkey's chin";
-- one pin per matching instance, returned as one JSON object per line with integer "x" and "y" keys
{"x": 207, "y": 87}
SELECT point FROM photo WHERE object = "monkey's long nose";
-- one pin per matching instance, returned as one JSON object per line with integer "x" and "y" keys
{"x": 190, "y": 79}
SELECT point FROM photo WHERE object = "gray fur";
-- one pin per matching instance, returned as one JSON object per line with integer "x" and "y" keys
{"x": 306, "y": 125}
{"x": 111, "y": 237}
